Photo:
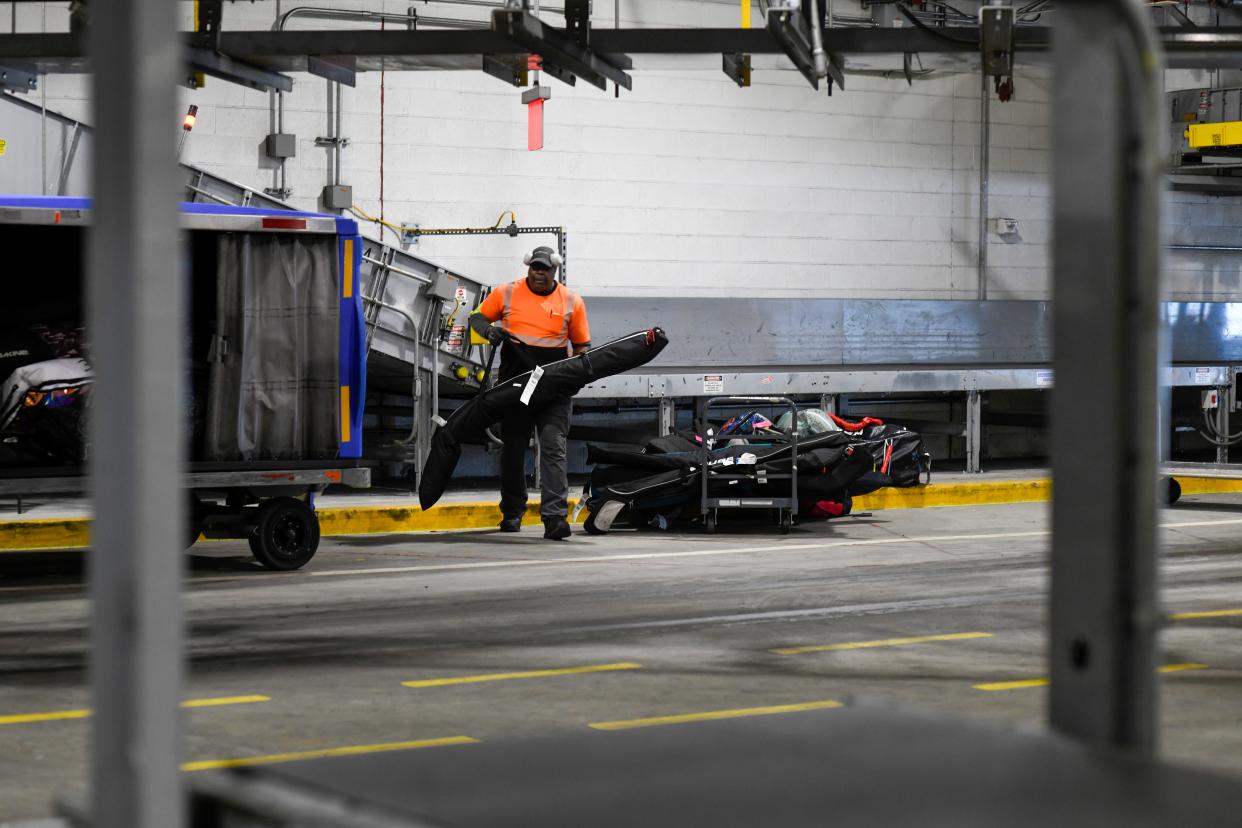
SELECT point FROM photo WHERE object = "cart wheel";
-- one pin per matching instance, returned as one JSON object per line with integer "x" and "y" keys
{"x": 286, "y": 535}
{"x": 709, "y": 522}
{"x": 786, "y": 521}
{"x": 1170, "y": 489}
{"x": 193, "y": 520}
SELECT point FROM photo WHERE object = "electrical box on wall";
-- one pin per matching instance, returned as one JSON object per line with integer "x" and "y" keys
{"x": 444, "y": 285}
{"x": 338, "y": 197}
{"x": 282, "y": 145}
{"x": 1005, "y": 226}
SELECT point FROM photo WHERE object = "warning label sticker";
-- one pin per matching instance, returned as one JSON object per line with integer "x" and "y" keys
{"x": 713, "y": 384}
{"x": 1203, "y": 376}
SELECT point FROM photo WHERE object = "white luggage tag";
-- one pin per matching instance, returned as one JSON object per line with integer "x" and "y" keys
{"x": 531, "y": 383}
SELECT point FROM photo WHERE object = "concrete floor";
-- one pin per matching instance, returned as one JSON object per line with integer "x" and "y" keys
{"x": 667, "y": 624}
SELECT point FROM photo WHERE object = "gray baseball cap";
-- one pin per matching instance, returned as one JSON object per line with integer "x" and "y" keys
{"x": 543, "y": 256}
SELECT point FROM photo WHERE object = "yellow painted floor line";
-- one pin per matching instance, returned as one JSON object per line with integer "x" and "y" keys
{"x": 325, "y": 753}
{"x": 562, "y": 671}
{"x": 54, "y": 716}
{"x": 61, "y": 715}
{"x": 886, "y": 642}
{"x": 1043, "y": 682}
{"x": 711, "y": 715}
{"x": 1189, "y": 616}
{"x": 223, "y": 700}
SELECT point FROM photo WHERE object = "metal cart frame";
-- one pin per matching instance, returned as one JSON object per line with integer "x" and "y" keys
{"x": 786, "y": 507}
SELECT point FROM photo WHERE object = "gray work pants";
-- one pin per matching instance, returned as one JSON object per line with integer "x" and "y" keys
{"x": 553, "y": 425}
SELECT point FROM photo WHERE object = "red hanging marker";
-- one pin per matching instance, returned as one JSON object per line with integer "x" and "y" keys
{"x": 534, "y": 124}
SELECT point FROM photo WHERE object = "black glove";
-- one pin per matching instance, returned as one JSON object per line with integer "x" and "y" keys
{"x": 495, "y": 335}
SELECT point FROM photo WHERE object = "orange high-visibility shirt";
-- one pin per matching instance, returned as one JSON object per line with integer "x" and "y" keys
{"x": 553, "y": 321}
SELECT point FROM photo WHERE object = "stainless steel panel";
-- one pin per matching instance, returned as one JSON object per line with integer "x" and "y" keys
{"x": 733, "y": 333}
{"x": 894, "y": 380}
{"x": 1205, "y": 332}
{"x": 727, "y": 332}
{"x": 996, "y": 332}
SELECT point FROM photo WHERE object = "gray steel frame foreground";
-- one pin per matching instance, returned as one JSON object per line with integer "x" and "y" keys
{"x": 1107, "y": 168}
{"x": 135, "y": 583}
{"x": 1104, "y": 542}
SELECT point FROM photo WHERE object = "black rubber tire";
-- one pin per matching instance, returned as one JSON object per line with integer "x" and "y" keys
{"x": 709, "y": 522}
{"x": 286, "y": 535}
{"x": 786, "y": 521}
{"x": 1170, "y": 490}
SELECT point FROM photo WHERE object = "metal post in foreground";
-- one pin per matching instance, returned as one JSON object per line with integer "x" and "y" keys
{"x": 1106, "y": 273}
{"x": 133, "y": 293}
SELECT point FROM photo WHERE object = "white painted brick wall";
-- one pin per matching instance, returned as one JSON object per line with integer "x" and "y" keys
{"x": 688, "y": 185}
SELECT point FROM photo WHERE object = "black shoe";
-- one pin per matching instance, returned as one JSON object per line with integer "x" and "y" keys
{"x": 513, "y": 524}
{"x": 555, "y": 528}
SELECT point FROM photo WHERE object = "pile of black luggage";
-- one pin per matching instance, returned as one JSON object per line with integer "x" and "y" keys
{"x": 660, "y": 484}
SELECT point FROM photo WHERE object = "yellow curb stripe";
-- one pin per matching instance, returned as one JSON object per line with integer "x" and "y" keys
{"x": 54, "y": 533}
{"x": 563, "y": 671}
{"x": 61, "y": 715}
{"x": 956, "y": 494}
{"x": 1043, "y": 682}
{"x": 74, "y": 533}
{"x": 1189, "y": 616}
{"x": 1208, "y": 485}
{"x": 887, "y": 642}
{"x": 325, "y": 753}
{"x": 712, "y": 715}
{"x": 375, "y": 520}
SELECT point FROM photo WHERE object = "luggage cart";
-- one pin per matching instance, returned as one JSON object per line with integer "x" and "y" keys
{"x": 713, "y": 476}
{"x": 272, "y": 507}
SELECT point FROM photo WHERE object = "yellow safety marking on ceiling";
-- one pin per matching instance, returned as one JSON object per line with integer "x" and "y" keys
{"x": 1042, "y": 682}
{"x": 562, "y": 671}
{"x": 61, "y": 715}
{"x": 1190, "y": 616}
{"x": 712, "y": 715}
{"x": 325, "y": 753}
{"x": 887, "y": 642}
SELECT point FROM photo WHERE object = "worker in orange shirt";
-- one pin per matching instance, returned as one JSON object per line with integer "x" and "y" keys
{"x": 535, "y": 320}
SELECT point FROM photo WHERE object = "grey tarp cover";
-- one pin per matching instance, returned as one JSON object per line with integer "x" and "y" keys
{"x": 274, "y": 391}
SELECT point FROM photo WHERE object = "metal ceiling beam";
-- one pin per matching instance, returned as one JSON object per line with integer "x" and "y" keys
{"x": 236, "y": 71}
{"x": 556, "y": 47}
{"x": 289, "y": 51}
{"x": 271, "y": 48}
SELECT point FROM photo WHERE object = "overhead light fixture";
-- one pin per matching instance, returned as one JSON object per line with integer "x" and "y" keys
{"x": 187, "y": 124}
